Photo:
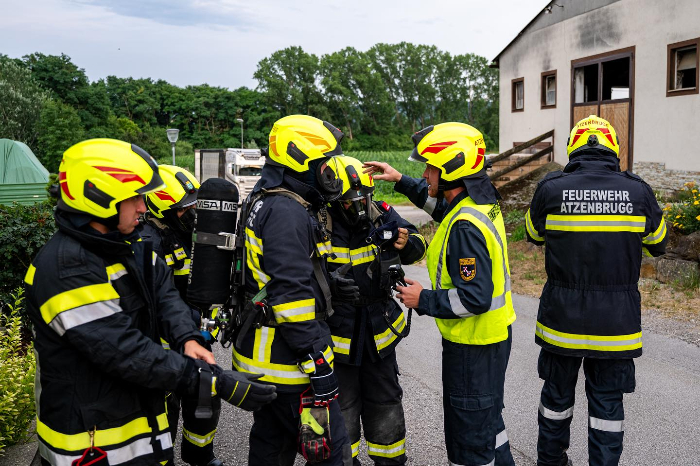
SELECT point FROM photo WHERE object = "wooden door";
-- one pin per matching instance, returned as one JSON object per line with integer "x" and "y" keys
{"x": 581, "y": 112}
{"x": 608, "y": 80}
{"x": 618, "y": 116}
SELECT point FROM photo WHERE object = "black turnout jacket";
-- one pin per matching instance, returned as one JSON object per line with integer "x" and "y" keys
{"x": 596, "y": 223}
{"x": 99, "y": 305}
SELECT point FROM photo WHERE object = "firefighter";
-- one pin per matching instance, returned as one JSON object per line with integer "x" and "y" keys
{"x": 99, "y": 300}
{"x": 596, "y": 221}
{"x": 289, "y": 297}
{"x": 168, "y": 225}
{"x": 470, "y": 297}
{"x": 364, "y": 343}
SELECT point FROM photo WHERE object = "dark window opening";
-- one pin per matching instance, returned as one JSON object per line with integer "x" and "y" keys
{"x": 683, "y": 64}
{"x": 685, "y": 61}
{"x": 586, "y": 84}
{"x": 616, "y": 79}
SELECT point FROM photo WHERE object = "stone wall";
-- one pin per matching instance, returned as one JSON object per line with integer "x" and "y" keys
{"x": 666, "y": 181}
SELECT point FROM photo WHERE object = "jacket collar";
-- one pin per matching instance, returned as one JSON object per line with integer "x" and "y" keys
{"x": 78, "y": 227}
{"x": 593, "y": 162}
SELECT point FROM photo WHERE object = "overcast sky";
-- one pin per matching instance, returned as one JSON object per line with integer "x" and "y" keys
{"x": 220, "y": 42}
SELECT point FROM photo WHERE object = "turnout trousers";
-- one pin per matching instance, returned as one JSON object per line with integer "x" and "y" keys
{"x": 606, "y": 382}
{"x": 371, "y": 392}
{"x": 273, "y": 437}
{"x": 473, "y": 377}
{"x": 197, "y": 447}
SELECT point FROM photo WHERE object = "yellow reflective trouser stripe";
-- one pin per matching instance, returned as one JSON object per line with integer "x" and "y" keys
{"x": 387, "y": 337}
{"x": 309, "y": 366}
{"x": 387, "y": 451}
{"x": 75, "y": 298}
{"x": 355, "y": 448}
{"x": 198, "y": 440}
{"x": 531, "y": 228}
{"x": 589, "y": 342}
{"x": 115, "y": 271}
{"x": 295, "y": 311}
{"x": 612, "y": 223}
{"x": 106, "y": 437}
{"x": 29, "y": 277}
{"x": 262, "y": 345}
{"x": 425, "y": 245}
{"x": 185, "y": 270}
{"x": 341, "y": 345}
{"x": 658, "y": 235}
{"x": 283, "y": 374}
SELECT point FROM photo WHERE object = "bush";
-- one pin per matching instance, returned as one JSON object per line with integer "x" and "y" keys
{"x": 23, "y": 231}
{"x": 17, "y": 369}
{"x": 685, "y": 215}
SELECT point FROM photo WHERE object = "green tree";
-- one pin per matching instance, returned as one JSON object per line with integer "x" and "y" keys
{"x": 59, "y": 128}
{"x": 288, "y": 79}
{"x": 69, "y": 83}
{"x": 21, "y": 101}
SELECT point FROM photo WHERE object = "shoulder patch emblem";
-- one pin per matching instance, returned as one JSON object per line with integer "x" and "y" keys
{"x": 385, "y": 206}
{"x": 467, "y": 268}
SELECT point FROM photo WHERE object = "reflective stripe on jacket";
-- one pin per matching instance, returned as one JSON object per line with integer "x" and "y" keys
{"x": 492, "y": 325}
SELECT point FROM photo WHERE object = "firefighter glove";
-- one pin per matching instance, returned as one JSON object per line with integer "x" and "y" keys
{"x": 241, "y": 389}
{"x": 344, "y": 289}
{"x": 323, "y": 380}
{"x": 314, "y": 430}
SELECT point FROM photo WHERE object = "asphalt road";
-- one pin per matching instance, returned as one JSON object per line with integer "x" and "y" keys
{"x": 661, "y": 422}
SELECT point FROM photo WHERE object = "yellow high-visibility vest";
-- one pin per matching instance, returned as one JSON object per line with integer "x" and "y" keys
{"x": 491, "y": 326}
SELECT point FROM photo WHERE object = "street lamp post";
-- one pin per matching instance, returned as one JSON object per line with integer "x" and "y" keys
{"x": 240, "y": 120}
{"x": 172, "y": 137}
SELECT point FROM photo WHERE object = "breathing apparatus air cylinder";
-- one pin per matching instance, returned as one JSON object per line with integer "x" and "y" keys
{"x": 214, "y": 244}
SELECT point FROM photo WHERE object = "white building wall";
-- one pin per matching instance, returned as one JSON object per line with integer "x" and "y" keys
{"x": 666, "y": 129}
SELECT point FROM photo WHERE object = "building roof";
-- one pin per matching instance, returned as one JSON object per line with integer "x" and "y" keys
{"x": 494, "y": 62}
{"x": 561, "y": 11}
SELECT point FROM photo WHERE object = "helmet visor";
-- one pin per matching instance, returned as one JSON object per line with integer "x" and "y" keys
{"x": 331, "y": 186}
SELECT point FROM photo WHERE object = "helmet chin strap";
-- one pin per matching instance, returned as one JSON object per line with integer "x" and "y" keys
{"x": 446, "y": 186}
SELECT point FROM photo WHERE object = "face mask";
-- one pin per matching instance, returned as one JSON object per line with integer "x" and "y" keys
{"x": 187, "y": 219}
{"x": 329, "y": 185}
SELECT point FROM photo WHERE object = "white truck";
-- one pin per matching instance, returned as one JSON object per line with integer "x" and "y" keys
{"x": 242, "y": 167}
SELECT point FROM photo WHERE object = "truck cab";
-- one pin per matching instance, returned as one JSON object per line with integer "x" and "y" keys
{"x": 242, "y": 167}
